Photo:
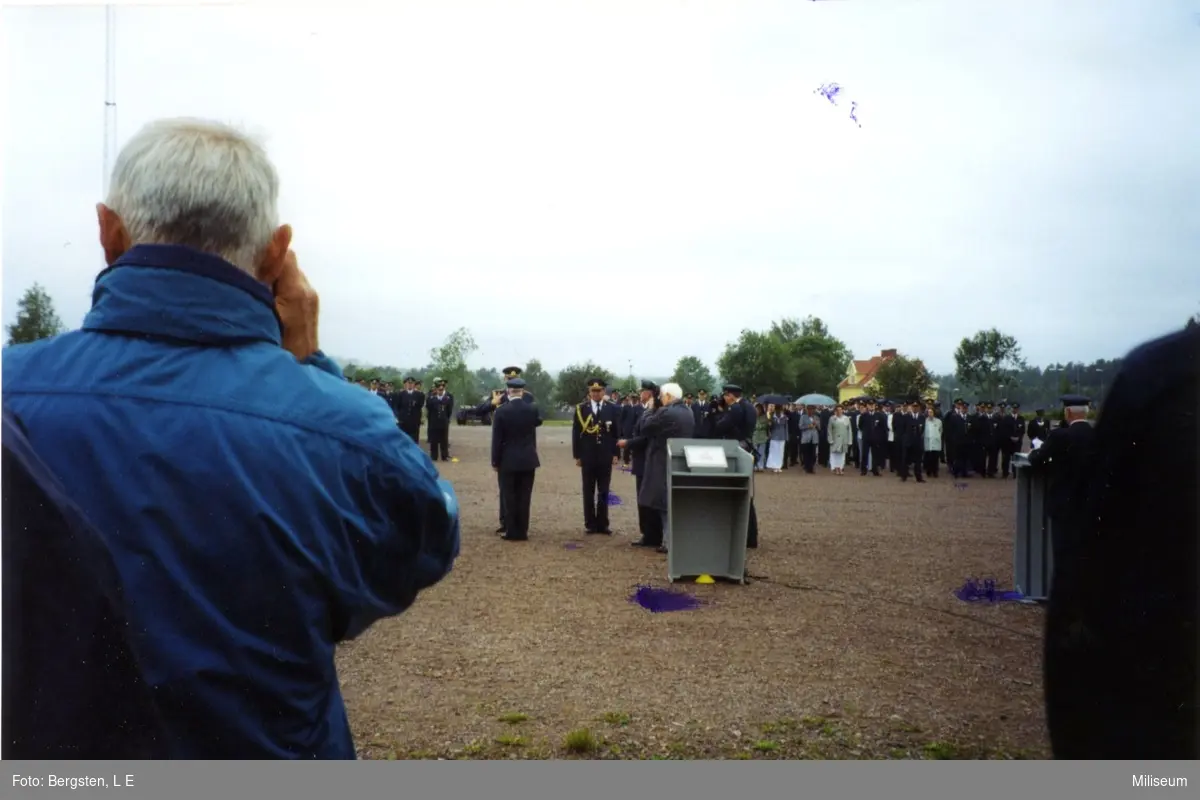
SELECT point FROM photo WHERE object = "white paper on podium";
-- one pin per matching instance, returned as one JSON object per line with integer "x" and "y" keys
{"x": 704, "y": 457}
{"x": 1035, "y": 444}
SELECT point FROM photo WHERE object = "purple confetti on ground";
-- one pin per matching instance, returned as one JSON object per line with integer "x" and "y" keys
{"x": 961, "y": 486}
{"x": 985, "y": 591}
{"x": 657, "y": 601}
{"x": 572, "y": 545}
{"x": 613, "y": 500}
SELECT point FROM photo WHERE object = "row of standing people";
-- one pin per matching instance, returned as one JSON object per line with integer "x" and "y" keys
{"x": 411, "y": 403}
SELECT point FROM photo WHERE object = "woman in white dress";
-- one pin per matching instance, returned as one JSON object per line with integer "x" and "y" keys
{"x": 778, "y": 432}
{"x": 839, "y": 440}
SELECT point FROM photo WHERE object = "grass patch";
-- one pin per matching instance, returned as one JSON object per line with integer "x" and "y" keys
{"x": 511, "y": 740}
{"x": 766, "y": 746}
{"x": 581, "y": 741}
{"x": 557, "y": 423}
{"x": 943, "y": 751}
{"x": 615, "y": 718}
{"x": 473, "y": 749}
{"x": 514, "y": 718}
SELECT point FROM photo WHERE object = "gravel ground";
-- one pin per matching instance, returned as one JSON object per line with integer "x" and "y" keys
{"x": 849, "y": 644}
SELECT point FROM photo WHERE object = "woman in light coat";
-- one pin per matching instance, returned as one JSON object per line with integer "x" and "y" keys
{"x": 779, "y": 435}
{"x": 933, "y": 441}
{"x": 839, "y": 440}
{"x": 809, "y": 437}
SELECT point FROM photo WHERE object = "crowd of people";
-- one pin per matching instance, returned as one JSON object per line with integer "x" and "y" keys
{"x": 198, "y": 507}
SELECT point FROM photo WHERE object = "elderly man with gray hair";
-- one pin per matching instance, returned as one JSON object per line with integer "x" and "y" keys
{"x": 259, "y": 508}
{"x": 673, "y": 421}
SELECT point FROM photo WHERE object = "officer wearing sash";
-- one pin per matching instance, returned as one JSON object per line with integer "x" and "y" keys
{"x": 594, "y": 435}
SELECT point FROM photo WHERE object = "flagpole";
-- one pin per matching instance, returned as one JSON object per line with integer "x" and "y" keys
{"x": 110, "y": 93}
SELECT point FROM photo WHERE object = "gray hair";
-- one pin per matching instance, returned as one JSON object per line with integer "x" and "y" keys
{"x": 671, "y": 390}
{"x": 1076, "y": 411}
{"x": 197, "y": 183}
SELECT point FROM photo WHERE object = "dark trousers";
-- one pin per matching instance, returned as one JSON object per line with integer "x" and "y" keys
{"x": 893, "y": 456}
{"x": 413, "y": 429}
{"x": 791, "y": 456}
{"x": 517, "y": 489}
{"x": 869, "y": 452}
{"x": 597, "y": 478}
{"x": 823, "y": 453}
{"x": 910, "y": 456}
{"x": 1006, "y": 457}
{"x": 993, "y": 460}
{"x": 809, "y": 456}
{"x": 931, "y": 462}
{"x": 439, "y": 443}
{"x": 852, "y": 453}
{"x": 649, "y": 520}
{"x": 978, "y": 458}
{"x": 500, "y": 486}
{"x": 960, "y": 464}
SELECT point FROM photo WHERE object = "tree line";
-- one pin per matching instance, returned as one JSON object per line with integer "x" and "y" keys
{"x": 792, "y": 357}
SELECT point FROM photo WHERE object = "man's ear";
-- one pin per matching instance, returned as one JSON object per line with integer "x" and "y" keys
{"x": 114, "y": 238}
{"x": 270, "y": 265}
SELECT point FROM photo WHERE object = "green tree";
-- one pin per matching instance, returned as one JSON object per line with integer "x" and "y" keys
{"x": 538, "y": 382}
{"x": 36, "y": 318}
{"x": 571, "y": 386}
{"x": 988, "y": 360}
{"x": 820, "y": 359}
{"x": 450, "y": 363}
{"x": 487, "y": 379}
{"x": 758, "y": 362}
{"x": 902, "y": 376}
{"x": 692, "y": 375}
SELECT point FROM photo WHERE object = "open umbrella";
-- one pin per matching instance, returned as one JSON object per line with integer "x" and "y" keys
{"x": 815, "y": 400}
{"x": 773, "y": 399}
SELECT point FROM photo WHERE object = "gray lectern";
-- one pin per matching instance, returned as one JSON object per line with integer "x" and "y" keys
{"x": 1033, "y": 558}
{"x": 710, "y": 483}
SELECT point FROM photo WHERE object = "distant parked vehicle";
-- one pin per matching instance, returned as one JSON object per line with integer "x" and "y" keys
{"x": 468, "y": 415}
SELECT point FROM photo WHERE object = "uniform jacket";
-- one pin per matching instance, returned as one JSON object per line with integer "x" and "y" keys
{"x": 258, "y": 510}
{"x": 594, "y": 436}
{"x": 669, "y": 422}
{"x": 514, "y": 437}
{"x": 407, "y": 406}
{"x": 439, "y": 410}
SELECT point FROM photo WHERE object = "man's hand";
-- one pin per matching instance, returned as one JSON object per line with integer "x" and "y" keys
{"x": 623, "y": 443}
{"x": 298, "y": 307}
{"x": 579, "y": 462}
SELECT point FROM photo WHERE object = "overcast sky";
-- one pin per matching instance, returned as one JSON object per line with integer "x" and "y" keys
{"x": 639, "y": 181}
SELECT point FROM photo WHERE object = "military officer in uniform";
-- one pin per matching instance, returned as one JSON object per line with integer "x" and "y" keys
{"x": 1067, "y": 457}
{"x": 1012, "y": 437}
{"x": 595, "y": 432}
{"x": 439, "y": 410}
{"x": 407, "y": 404}
{"x": 1038, "y": 427}
{"x": 493, "y": 405}
{"x": 1121, "y": 627}
{"x": 515, "y": 457}
{"x": 736, "y": 422}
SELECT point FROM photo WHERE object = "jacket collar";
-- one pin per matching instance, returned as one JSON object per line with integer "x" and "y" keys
{"x": 175, "y": 292}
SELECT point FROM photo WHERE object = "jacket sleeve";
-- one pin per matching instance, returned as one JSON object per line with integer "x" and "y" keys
{"x": 576, "y": 433}
{"x": 404, "y": 539}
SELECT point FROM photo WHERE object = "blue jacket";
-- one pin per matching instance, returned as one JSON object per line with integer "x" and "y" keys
{"x": 67, "y": 658}
{"x": 258, "y": 510}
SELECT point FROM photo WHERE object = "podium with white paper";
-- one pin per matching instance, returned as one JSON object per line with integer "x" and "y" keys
{"x": 710, "y": 483}
{"x": 1033, "y": 554}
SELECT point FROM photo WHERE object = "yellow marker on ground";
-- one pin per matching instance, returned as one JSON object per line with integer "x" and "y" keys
{"x": 454, "y": 461}
{"x": 705, "y": 579}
